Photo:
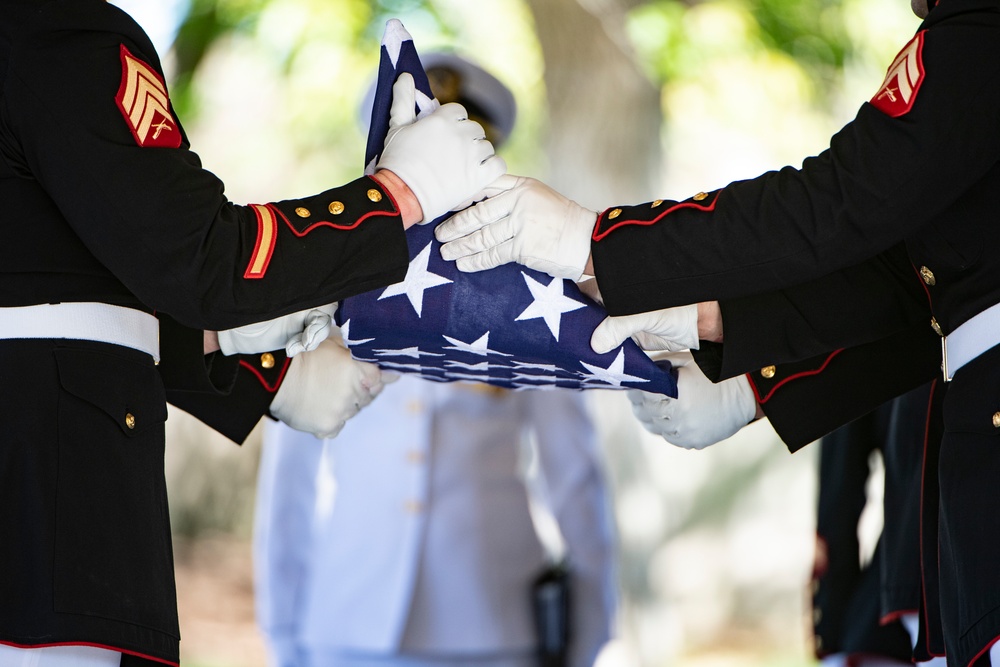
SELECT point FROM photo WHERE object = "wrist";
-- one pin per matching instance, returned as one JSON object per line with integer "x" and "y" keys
{"x": 210, "y": 342}
{"x": 409, "y": 207}
{"x": 710, "y": 321}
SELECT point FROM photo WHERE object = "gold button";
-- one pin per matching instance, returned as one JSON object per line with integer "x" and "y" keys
{"x": 130, "y": 421}
{"x": 336, "y": 207}
{"x": 657, "y": 203}
{"x": 996, "y": 420}
{"x": 414, "y": 506}
{"x": 267, "y": 360}
{"x": 614, "y": 213}
{"x": 701, "y": 196}
{"x": 768, "y": 371}
{"x": 375, "y": 195}
{"x": 302, "y": 212}
{"x": 936, "y": 327}
{"x": 928, "y": 276}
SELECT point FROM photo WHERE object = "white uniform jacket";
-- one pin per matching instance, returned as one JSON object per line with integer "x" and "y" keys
{"x": 410, "y": 532}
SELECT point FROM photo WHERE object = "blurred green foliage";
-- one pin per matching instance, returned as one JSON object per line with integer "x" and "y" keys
{"x": 675, "y": 39}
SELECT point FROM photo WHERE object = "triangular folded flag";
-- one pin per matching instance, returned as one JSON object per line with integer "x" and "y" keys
{"x": 510, "y": 326}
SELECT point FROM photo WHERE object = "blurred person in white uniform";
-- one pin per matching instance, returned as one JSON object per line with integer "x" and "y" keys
{"x": 409, "y": 539}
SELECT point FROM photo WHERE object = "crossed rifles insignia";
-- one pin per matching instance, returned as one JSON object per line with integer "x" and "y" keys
{"x": 902, "y": 82}
{"x": 143, "y": 101}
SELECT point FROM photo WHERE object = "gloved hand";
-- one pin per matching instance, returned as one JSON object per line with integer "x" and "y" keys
{"x": 703, "y": 412}
{"x": 295, "y": 333}
{"x": 444, "y": 157}
{"x": 324, "y": 388}
{"x": 527, "y": 222}
{"x": 671, "y": 329}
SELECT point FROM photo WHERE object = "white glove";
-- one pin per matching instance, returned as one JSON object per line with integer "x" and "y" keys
{"x": 444, "y": 157}
{"x": 671, "y": 329}
{"x": 294, "y": 333}
{"x": 324, "y": 388}
{"x": 703, "y": 412}
{"x": 528, "y": 222}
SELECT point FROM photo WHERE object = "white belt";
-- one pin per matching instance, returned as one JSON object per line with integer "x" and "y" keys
{"x": 84, "y": 321}
{"x": 968, "y": 341}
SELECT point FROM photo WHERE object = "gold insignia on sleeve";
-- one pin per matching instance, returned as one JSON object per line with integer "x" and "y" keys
{"x": 144, "y": 103}
{"x": 267, "y": 234}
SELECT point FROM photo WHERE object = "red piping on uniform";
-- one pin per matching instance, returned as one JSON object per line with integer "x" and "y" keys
{"x": 815, "y": 371}
{"x": 271, "y": 388}
{"x": 92, "y": 645}
{"x": 980, "y": 654}
{"x": 327, "y": 223}
{"x": 924, "y": 285}
{"x": 387, "y": 193}
{"x": 923, "y": 473}
{"x": 597, "y": 236}
{"x": 894, "y": 616}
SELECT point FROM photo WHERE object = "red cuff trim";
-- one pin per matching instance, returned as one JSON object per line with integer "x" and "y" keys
{"x": 600, "y": 234}
{"x": 271, "y": 388}
{"x": 92, "y": 645}
{"x": 816, "y": 371}
{"x": 334, "y": 225}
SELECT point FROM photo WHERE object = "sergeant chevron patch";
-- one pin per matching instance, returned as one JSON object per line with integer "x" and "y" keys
{"x": 902, "y": 82}
{"x": 143, "y": 101}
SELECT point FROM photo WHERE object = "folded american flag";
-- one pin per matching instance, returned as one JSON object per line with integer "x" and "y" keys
{"x": 510, "y": 326}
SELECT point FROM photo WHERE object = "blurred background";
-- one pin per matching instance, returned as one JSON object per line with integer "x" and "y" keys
{"x": 620, "y": 101}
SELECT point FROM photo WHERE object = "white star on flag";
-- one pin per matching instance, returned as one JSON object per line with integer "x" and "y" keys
{"x": 480, "y": 346}
{"x": 411, "y": 352}
{"x": 439, "y": 333}
{"x": 482, "y": 366}
{"x": 418, "y": 279}
{"x": 550, "y": 368}
{"x": 345, "y": 334}
{"x": 613, "y": 374}
{"x": 549, "y": 304}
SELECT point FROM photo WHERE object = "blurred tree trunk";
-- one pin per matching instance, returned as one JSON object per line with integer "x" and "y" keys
{"x": 603, "y": 144}
{"x": 603, "y": 139}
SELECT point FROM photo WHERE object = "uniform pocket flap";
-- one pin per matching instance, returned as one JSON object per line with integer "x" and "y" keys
{"x": 126, "y": 386}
